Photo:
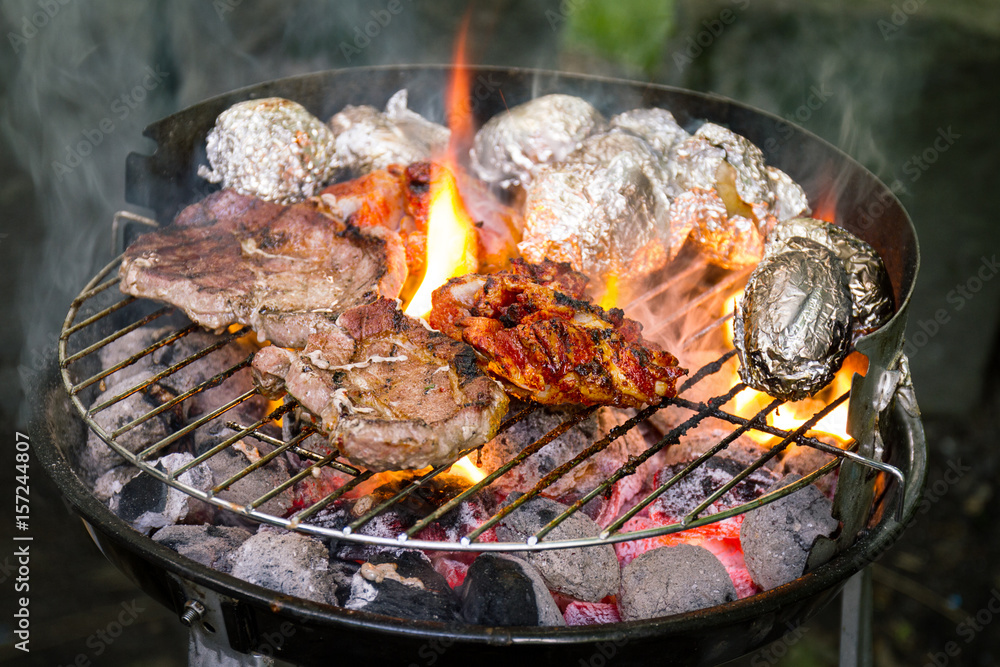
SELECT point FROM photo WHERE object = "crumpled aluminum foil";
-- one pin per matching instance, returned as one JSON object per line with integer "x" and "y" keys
{"x": 868, "y": 280}
{"x": 792, "y": 327}
{"x": 368, "y": 139}
{"x": 660, "y": 130}
{"x": 603, "y": 209}
{"x": 270, "y": 148}
{"x": 718, "y": 161}
{"x": 512, "y": 145}
{"x": 728, "y": 241}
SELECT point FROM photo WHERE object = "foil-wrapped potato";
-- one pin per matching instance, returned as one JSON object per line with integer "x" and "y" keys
{"x": 754, "y": 195}
{"x": 792, "y": 328}
{"x": 270, "y": 148}
{"x": 367, "y": 139}
{"x": 604, "y": 209}
{"x": 512, "y": 145}
{"x": 868, "y": 280}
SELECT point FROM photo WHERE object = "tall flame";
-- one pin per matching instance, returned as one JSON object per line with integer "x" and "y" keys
{"x": 464, "y": 467}
{"x": 451, "y": 234}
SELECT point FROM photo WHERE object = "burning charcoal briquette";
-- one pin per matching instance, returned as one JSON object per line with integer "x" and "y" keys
{"x": 213, "y": 546}
{"x": 871, "y": 291}
{"x": 95, "y": 457}
{"x": 692, "y": 489}
{"x": 503, "y": 590}
{"x": 509, "y": 148}
{"x": 368, "y": 139}
{"x": 576, "y": 482}
{"x": 403, "y": 586}
{"x": 270, "y": 148}
{"x": 288, "y": 563}
{"x": 586, "y": 573}
{"x": 778, "y": 537}
{"x": 148, "y": 504}
{"x": 673, "y": 580}
{"x": 239, "y": 456}
{"x": 792, "y": 327}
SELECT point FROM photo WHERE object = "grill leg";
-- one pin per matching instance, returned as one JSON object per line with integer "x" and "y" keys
{"x": 856, "y": 621}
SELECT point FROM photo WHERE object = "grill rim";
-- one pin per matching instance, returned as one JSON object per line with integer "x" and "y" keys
{"x": 149, "y": 563}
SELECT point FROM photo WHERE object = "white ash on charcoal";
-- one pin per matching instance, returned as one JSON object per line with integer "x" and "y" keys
{"x": 510, "y": 146}
{"x": 579, "y": 480}
{"x": 236, "y": 458}
{"x": 696, "y": 442}
{"x": 777, "y": 538}
{"x": 403, "y": 514}
{"x": 503, "y": 590}
{"x": 212, "y": 546}
{"x": 403, "y": 586}
{"x": 287, "y": 562}
{"x": 692, "y": 489}
{"x": 367, "y": 139}
{"x": 673, "y": 580}
{"x": 586, "y": 573}
{"x": 147, "y": 503}
{"x": 95, "y": 457}
{"x": 270, "y": 148}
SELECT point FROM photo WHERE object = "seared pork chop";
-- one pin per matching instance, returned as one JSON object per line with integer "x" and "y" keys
{"x": 391, "y": 393}
{"x": 285, "y": 270}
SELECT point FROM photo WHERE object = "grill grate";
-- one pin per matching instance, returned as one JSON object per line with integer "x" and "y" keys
{"x": 90, "y": 327}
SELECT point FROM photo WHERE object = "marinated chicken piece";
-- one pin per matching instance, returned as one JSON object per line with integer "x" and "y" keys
{"x": 391, "y": 393}
{"x": 550, "y": 346}
{"x": 285, "y": 270}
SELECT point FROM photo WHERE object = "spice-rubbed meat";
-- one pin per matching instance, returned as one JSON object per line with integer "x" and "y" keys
{"x": 550, "y": 346}
{"x": 285, "y": 270}
{"x": 391, "y": 393}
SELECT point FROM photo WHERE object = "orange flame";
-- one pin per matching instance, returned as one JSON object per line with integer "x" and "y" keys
{"x": 451, "y": 234}
{"x": 609, "y": 299}
{"x": 790, "y": 416}
{"x": 464, "y": 467}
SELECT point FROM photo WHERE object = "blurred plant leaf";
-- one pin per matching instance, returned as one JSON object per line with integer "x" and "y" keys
{"x": 627, "y": 32}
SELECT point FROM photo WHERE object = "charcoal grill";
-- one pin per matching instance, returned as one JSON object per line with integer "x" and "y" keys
{"x": 881, "y": 471}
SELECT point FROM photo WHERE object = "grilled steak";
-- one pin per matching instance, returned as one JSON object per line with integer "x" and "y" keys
{"x": 391, "y": 393}
{"x": 553, "y": 346}
{"x": 285, "y": 270}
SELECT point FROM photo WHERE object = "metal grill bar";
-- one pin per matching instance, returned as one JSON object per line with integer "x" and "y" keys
{"x": 118, "y": 334}
{"x": 417, "y": 483}
{"x": 213, "y": 381}
{"x": 77, "y": 388}
{"x": 100, "y": 315}
{"x": 711, "y": 408}
{"x": 577, "y": 417}
{"x": 277, "y": 413}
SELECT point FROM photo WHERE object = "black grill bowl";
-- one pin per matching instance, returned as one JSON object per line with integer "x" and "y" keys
{"x": 320, "y": 634}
